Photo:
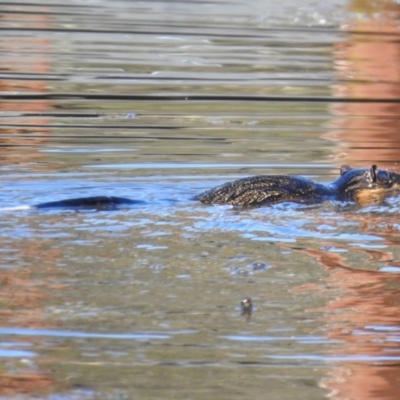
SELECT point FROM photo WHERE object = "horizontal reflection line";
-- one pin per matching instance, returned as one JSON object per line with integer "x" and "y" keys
{"x": 206, "y": 31}
{"x": 92, "y": 126}
{"x": 62, "y": 77}
{"x": 113, "y": 137}
{"x": 127, "y": 97}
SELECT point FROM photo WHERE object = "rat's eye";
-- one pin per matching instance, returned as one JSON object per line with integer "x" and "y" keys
{"x": 384, "y": 178}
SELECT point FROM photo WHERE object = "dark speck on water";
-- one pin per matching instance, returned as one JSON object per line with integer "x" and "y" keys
{"x": 246, "y": 306}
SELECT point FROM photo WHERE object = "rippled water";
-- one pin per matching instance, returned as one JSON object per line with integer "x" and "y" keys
{"x": 158, "y": 101}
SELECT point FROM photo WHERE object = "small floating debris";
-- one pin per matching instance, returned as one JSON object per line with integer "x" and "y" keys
{"x": 246, "y": 307}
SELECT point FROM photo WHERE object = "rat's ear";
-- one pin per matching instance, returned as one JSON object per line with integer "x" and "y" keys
{"x": 344, "y": 168}
{"x": 372, "y": 173}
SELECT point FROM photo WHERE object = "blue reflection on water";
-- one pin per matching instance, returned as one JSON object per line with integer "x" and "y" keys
{"x": 16, "y": 354}
{"x": 76, "y": 334}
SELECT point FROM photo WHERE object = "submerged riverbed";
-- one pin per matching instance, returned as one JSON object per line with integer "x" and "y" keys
{"x": 159, "y": 101}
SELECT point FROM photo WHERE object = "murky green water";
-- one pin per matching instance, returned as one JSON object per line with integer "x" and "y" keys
{"x": 158, "y": 101}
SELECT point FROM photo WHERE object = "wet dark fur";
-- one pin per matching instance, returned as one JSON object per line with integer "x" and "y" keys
{"x": 354, "y": 184}
{"x": 360, "y": 185}
{"x": 97, "y": 202}
{"x": 265, "y": 189}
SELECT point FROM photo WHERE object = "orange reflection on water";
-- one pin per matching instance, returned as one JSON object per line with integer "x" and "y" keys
{"x": 368, "y": 67}
{"x": 364, "y": 300}
{"x": 24, "y": 60}
{"x": 363, "y": 313}
{"x": 363, "y": 316}
{"x": 23, "y": 295}
{"x": 24, "y": 290}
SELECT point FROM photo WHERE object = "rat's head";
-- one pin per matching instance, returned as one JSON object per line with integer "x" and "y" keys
{"x": 366, "y": 186}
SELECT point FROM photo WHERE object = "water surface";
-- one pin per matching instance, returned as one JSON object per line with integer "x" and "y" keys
{"x": 158, "y": 101}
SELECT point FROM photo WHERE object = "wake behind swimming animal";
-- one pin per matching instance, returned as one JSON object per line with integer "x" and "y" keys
{"x": 359, "y": 185}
